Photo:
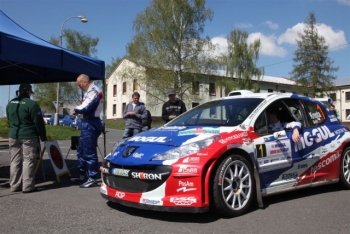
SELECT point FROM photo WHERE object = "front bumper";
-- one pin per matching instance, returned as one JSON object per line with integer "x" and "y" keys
{"x": 156, "y": 208}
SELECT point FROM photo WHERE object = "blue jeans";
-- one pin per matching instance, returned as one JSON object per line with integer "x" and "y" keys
{"x": 129, "y": 132}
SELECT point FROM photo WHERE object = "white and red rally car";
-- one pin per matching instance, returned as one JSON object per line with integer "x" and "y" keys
{"x": 221, "y": 155}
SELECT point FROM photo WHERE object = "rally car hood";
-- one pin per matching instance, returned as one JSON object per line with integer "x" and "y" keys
{"x": 140, "y": 149}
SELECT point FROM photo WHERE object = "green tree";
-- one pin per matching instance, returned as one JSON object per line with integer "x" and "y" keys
{"x": 312, "y": 69}
{"x": 45, "y": 93}
{"x": 240, "y": 62}
{"x": 168, "y": 42}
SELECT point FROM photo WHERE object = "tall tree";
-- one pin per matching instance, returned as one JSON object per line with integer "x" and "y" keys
{"x": 240, "y": 62}
{"x": 168, "y": 39}
{"x": 45, "y": 93}
{"x": 312, "y": 69}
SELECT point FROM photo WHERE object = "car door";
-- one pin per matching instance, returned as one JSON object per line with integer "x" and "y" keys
{"x": 280, "y": 162}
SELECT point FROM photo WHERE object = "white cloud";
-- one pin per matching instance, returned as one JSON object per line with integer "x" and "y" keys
{"x": 269, "y": 46}
{"x": 345, "y": 2}
{"x": 335, "y": 39}
{"x": 243, "y": 25}
{"x": 271, "y": 24}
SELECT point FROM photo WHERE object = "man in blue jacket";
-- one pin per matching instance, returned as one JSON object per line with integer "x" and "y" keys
{"x": 91, "y": 128}
{"x": 134, "y": 113}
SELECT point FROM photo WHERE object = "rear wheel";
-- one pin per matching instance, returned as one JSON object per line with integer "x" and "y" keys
{"x": 345, "y": 169}
{"x": 233, "y": 187}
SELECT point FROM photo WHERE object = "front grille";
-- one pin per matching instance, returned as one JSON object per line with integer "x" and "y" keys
{"x": 137, "y": 185}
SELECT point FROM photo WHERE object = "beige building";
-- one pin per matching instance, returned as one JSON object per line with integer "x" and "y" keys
{"x": 341, "y": 99}
{"x": 124, "y": 81}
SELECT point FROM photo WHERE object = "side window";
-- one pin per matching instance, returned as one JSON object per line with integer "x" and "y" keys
{"x": 316, "y": 113}
{"x": 260, "y": 126}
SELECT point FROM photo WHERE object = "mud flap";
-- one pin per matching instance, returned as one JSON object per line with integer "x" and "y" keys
{"x": 258, "y": 188}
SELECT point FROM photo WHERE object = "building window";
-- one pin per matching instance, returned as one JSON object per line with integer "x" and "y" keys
{"x": 135, "y": 85}
{"x": 114, "y": 90}
{"x": 282, "y": 91}
{"x": 194, "y": 104}
{"x": 124, "y": 87}
{"x": 270, "y": 90}
{"x": 347, "y": 96}
{"x": 114, "y": 109}
{"x": 195, "y": 87}
{"x": 212, "y": 91}
{"x": 347, "y": 114}
{"x": 123, "y": 107}
{"x": 333, "y": 96}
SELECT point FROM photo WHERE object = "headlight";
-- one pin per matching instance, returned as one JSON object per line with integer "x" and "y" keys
{"x": 185, "y": 150}
{"x": 119, "y": 143}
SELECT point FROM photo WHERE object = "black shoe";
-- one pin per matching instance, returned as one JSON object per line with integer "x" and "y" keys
{"x": 30, "y": 191}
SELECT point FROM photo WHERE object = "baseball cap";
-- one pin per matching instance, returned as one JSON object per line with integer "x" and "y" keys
{"x": 171, "y": 92}
{"x": 26, "y": 87}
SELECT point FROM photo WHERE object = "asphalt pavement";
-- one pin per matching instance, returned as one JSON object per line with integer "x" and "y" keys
{"x": 63, "y": 207}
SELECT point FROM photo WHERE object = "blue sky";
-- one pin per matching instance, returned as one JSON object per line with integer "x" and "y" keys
{"x": 274, "y": 22}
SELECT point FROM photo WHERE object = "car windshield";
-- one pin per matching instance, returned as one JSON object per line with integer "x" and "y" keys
{"x": 221, "y": 112}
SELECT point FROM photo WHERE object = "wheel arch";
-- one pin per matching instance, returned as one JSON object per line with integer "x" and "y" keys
{"x": 212, "y": 166}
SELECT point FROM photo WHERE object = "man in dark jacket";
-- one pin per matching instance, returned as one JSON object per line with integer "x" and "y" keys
{"x": 172, "y": 108}
{"x": 134, "y": 113}
{"x": 26, "y": 125}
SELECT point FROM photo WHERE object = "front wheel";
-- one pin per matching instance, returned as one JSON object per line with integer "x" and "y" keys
{"x": 345, "y": 169}
{"x": 233, "y": 187}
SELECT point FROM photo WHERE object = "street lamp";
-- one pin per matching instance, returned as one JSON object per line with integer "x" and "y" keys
{"x": 84, "y": 20}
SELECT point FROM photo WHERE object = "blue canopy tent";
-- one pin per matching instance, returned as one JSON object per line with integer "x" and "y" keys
{"x": 27, "y": 58}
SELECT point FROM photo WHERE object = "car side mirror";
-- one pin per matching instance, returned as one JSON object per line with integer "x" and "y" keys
{"x": 279, "y": 134}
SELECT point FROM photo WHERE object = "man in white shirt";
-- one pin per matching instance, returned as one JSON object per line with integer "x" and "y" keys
{"x": 276, "y": 125}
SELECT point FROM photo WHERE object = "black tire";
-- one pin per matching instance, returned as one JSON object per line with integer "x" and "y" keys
{"x": 344, "y": 177}
{"x": 233, "y": 187}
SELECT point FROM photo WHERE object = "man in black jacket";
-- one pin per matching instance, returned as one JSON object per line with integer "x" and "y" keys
{"x": 172, "y": 108}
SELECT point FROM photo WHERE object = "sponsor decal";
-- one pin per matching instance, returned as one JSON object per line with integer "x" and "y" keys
{"x": 247, "y": 141}
{"x": 277, "y": 151}
{"x": 119, "y": 194}
{"x": 340, "y": 131}
{"x": 315, "y": 115}
{"x": 120, "y": 172}
{"x": 115, "y": 153}
{"x": 323, "y": 133}
{"x": 147, "y": 176}
{"x": 324, "y": 150}
{"x": 187, "y": 169}
{"x": 202, "y": 154}
{"x": 274, "y": 159}
{"x": 137, "y": 155}
{"x": 325, "y": 163}
{"x": 301, "y": 166}
{"x": 191, "y": 160}
{"x": 150, "y": 201}
{"x": 183, "y": 201}
{"x": 291, "y": 175}
{"x": 148, "y": 139}
{"x": 197, "y": 131}
{"x": 266, "y": 161}
{"x": 185, "y": 185}
{"x": 236, "y": 136}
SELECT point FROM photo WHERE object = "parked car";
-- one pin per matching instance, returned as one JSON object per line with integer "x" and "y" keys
{"x": 220, "y": 156}
{"x": 47, "y": 118}
{"x": 68, "y": 120}
{"x": 60, "y": 118}
{"x": 77, "y": 124}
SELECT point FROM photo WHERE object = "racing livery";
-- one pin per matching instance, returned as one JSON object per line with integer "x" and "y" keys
{"x": 221, "y": 155}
